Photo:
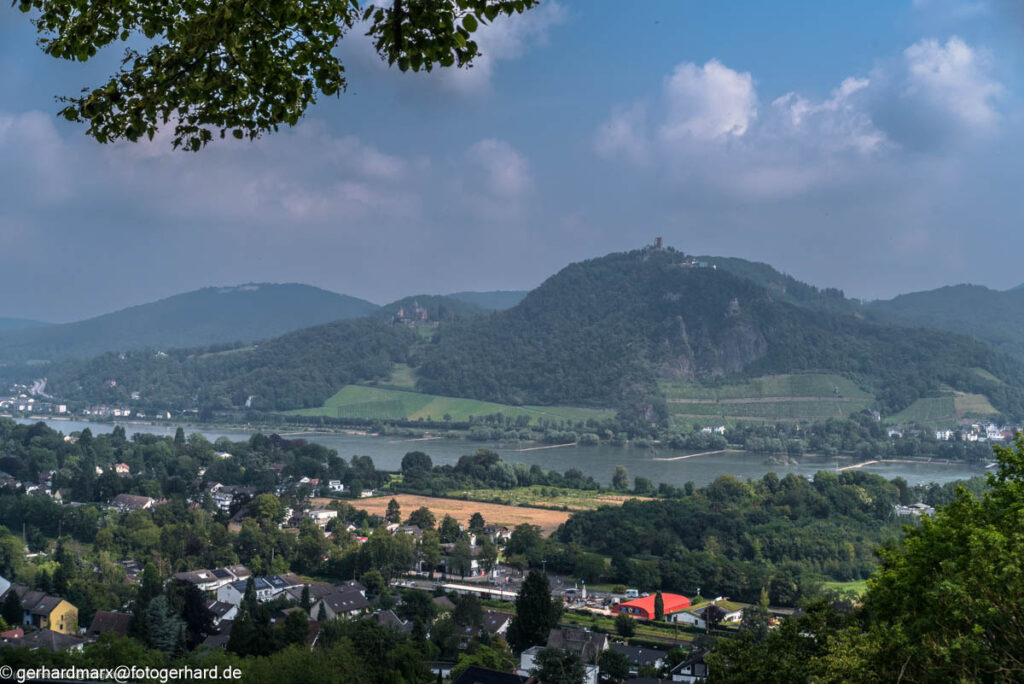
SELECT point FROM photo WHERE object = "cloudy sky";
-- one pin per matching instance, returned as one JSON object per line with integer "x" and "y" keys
{"x": 871, "y": 146}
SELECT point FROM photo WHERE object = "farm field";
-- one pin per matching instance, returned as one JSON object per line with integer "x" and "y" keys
{"x": 941, "y": 411}
{"x": 379, "y": 403}
{"x": 574, "y": 499}
{"x": 497, "y": 514}
{"x": 794, "y": 397}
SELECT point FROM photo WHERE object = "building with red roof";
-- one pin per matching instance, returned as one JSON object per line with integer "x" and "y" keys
{"x": 643, "y": 607}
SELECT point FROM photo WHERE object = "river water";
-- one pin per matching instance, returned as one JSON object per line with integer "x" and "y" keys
{"x": 596, "y": 461}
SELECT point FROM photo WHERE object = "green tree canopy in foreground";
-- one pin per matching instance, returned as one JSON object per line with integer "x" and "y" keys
{"x": 242, "y": 67}
{"x": 947, "y": 604}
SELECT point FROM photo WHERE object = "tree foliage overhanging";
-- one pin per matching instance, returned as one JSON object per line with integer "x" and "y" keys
{"x": 243, "y": 67}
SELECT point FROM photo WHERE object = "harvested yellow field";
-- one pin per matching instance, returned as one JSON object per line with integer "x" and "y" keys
{"x": 494, "y": 514}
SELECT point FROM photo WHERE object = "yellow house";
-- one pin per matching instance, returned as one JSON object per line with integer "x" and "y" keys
{"x": 46, "y": 611}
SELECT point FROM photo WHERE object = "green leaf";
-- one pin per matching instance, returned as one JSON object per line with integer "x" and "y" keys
{"x": 469, "y": 23}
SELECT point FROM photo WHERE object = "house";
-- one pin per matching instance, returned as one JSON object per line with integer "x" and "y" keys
{"x": 914, "y": 510}
{"x": 234, "y": 592}
{"x": 344, "y": 601}
{"x": 48, "y": 640}
{"x": 698, "y": 617}
{"x": 691, "y": 670}
{"x": 643, "y": 607}
{"x": 584, "y": 643}
{"x": 335, "y": 486}
{"x": 448, "y": 560}
{"x": 286, "y": 581}
{"x": 639, "y": 656}
{"x": 221, "y": 611}
{"x": 495, "y": 622}
{"x": 122, "y": 469}
{"x": 221, "y": 637}
{"x": 387, "y": 618}
{"x": 45, "y": 611}
{"x": 130, "y": 502}
{"x": 204, "y": 580}
{"x": 321, "y": 516}
{"x": 497, "y": 533}
{"x": 106, "y": 621}
{"x": 4, "y": 586}
{"x": 224, "y": 495}
{"x": 221, "y": 454}
{"x": 413, "y": 530}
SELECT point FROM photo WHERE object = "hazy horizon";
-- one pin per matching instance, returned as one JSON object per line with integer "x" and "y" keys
{"x": 867, "y": 147}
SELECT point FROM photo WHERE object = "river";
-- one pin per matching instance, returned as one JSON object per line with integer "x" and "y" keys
{"x": 597, "y": 461}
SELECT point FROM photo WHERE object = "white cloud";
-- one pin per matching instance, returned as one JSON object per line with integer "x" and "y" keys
{"x": 707, "y": 134}
{"x": 708, "y": 102}
{"x": 507, "y": 37}
{"x": 955, "y": 77}
{"x": 506, "y": 172}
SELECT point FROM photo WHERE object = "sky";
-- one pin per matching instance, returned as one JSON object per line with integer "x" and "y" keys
{"x": 872, "y": 146}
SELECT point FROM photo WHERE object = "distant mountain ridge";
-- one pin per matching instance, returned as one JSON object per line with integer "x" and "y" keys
{"x": 211, "y": 315}
{"x": 992, "y": 316}
{"x": 605, "y": 333}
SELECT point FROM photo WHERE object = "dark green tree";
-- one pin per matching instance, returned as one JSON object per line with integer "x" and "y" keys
{"x": 624, "y": 625}
{"x": 614, "y": 665}
{"x": 422, "y": 518}
{"x": 477, "y": 523}
{"x": 558, "y": 666}
{"x": 12, "y": 612}
{"x": 394, "y": 512}
{"x": 620, "y": 480}
{"x": 659, "y": 606}
{"x": 537, "y": 613}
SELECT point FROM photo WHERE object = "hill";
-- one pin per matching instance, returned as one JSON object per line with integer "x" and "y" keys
{"x": 212, "y": 315}
{"x": 297, "y": 370}
{"x": 606, "y": 331}
{"x": 19, "y": 324}
{"x": 994, "y": 317}
{"x": 496, "y": 300}
{"x": 655, "y": 333}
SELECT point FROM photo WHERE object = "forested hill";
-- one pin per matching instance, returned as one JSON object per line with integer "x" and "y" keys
{"x": 991, "y": 316}
{"x": 602, "y": 332}
{"x": 299, "y": 369}
{"x": 212, "y": 315}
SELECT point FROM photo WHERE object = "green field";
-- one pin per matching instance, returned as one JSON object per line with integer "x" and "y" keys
{"x": 795, "y": 397}
{"x": 378, "y": 403}
{"x": 942, "y": 411}
{"x": 554, "y": 497}
{"x": 856, "y": 587}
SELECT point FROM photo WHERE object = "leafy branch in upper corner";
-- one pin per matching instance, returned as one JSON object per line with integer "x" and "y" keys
{"x": 240, "y": 67}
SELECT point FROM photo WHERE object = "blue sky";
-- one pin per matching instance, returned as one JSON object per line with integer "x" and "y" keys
{"x": 871, "y": 146}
